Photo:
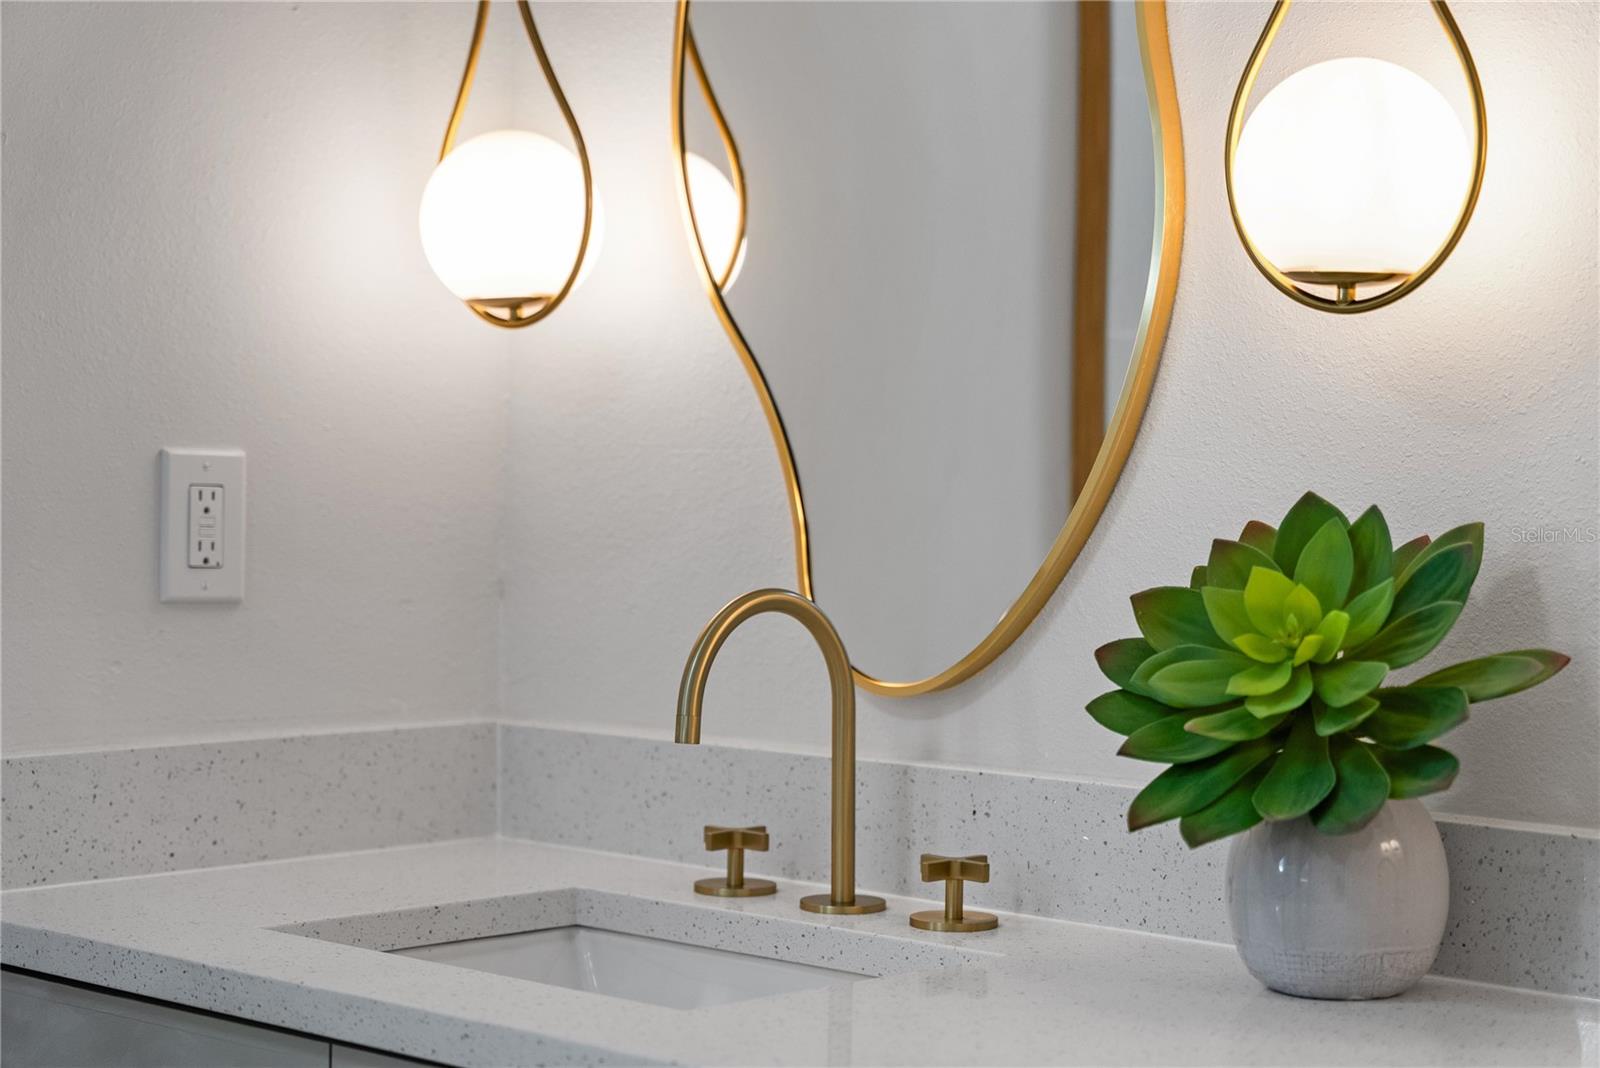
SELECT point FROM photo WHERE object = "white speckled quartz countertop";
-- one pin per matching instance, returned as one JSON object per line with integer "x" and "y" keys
{"x": 1036, "y": 991}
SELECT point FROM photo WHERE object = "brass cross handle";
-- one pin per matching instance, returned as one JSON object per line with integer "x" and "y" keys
{"x": 735, "y": 840}
{"x": 955, "y": 871}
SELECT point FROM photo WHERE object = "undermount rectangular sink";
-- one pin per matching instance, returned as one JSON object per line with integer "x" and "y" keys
{"x": 671, "y": 954}
{"x": 635, "y": 967}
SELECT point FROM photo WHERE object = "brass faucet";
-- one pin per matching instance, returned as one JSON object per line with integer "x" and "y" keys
{"x": 843, "y": 899}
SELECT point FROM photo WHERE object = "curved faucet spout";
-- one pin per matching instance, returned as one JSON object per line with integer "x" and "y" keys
{"x": 691, "y": 695}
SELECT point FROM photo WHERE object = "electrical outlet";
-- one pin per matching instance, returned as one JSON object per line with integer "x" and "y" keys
{"x": 202, "y": 525}
{"x": 206, "y": 526}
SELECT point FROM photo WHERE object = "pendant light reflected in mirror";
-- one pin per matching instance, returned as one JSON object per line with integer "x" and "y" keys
{"x": 510, "y": 220}
{"x": 1352, "y": 175}
{"x": 717, "y": 210}
{"x": 717, "y": 205}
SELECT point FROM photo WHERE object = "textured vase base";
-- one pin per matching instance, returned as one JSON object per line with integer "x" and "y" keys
{"x": 1338, "y": 976}
{"x": 1346, "y": 917}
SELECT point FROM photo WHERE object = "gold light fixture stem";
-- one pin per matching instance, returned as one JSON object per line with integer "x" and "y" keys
{"x": 691, "y": 696}
{"x": 730, "y": 148}
{"x": 467, "y": 75}
{"x": 1345, "y": 300}
{"x": 758, "y": 378}
{"x": 542, "y": 304}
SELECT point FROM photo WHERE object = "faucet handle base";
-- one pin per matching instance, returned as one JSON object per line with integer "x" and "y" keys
{"x": 823, "y": 903}
{"x": 719, "y": 887}
{"x": 936, "y": 920}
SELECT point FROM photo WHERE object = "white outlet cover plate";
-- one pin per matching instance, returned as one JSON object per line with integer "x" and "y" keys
{"x": 180, "y": 469}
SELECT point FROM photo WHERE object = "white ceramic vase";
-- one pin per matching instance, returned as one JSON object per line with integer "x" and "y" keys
{"x": 1340, "y": 916}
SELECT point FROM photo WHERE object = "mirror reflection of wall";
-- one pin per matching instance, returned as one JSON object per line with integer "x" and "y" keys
{"x": 951, "y": 209}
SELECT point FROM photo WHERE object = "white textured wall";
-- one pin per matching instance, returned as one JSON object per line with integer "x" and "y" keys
{"x": 643, "y": 491}
{"x": 210, "y": 240}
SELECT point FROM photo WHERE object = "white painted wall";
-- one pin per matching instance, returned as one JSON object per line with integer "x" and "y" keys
{"x": 210, "y": 239}
{"x": 643, "y": 490}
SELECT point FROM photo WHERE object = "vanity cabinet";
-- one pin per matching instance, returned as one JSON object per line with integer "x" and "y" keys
{"x": 49, "y": 1024}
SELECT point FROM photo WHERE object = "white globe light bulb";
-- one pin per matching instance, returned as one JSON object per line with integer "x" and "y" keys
{"x": 502, "y": 216}
{"x": 1352, "y": 165}
{"x": 716, "y": 215}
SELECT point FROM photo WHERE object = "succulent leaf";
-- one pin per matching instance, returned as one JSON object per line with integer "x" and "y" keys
{"x": 1418, "y": 772}
{"x": 1302, "y": 612}
{"x": 1308, "y": 648}
{"x": 1166, "y": 740}
{"x": 1368, "y": 612}
{"x": 1259, "y": 536}
{"x": 1261, "y": 649}
{"x": 1299, "y": 526}
{"x": 1265, "y": 595}
{"x": 1409, "y": 716}
{"x": 1235, "y": 724}
{"x": 1197, "y": 680}
{"x": 1197, "y": 576}
{"x": 1126, "y": 712}
{"x": 1411, "y": 637}
{"x": 1349, "y": 680}
{"x": 1468, "y": 534}
{"x": 1446, "y": 575}
{"x": 1330, "y": 635}
{"x": 1327, "y": 564}
{"x": 1225, "y": 611}
{"x": 1500, "y": 675}
{"x": 1290, "y": 697}
{"x": 1373, "y": 551}
{"x": 1261, "y": 679}
{"x": 1118, "y": 660}
{"x": 1359, "y": 793}
{"x": 1300, "y": 778}
{"x": 1406, "y": 554}
{"x": 1331, "y": 721}
{"x": 1169, "y": 616}
{"x": 1186, "y": 788}
{"x": 1140, "y": 682}
{"x": 1231, "y": 561}
{"x": 1229, "y": 814}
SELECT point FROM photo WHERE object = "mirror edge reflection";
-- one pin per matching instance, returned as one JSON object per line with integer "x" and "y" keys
{"x": 1123, "y": 427}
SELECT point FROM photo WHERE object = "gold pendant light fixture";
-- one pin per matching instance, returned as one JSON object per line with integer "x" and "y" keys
{"x": 719, "y": 207}
{"x": 510, "y": 221}
{"x": 1352, "y": 173}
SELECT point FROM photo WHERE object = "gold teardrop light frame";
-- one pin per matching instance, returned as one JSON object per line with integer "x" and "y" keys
{"x": 1346, "y": 302}
{"x": 1124, "y": 425}
{"x": 730, "y": 149}
{"x": 515, "y": 312}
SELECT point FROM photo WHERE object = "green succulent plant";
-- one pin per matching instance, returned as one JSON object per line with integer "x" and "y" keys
{"x": 1262, "y": 681}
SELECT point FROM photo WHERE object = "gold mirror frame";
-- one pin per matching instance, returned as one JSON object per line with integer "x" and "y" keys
{"x": 1346, "y": 302}
{"x": 1156, "y": 54}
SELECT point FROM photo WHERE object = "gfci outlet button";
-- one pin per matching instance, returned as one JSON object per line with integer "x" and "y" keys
{"x": 202, "y": 525}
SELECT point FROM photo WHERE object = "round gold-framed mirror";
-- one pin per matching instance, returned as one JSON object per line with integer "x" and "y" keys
{"x": 1092, "y": 428}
